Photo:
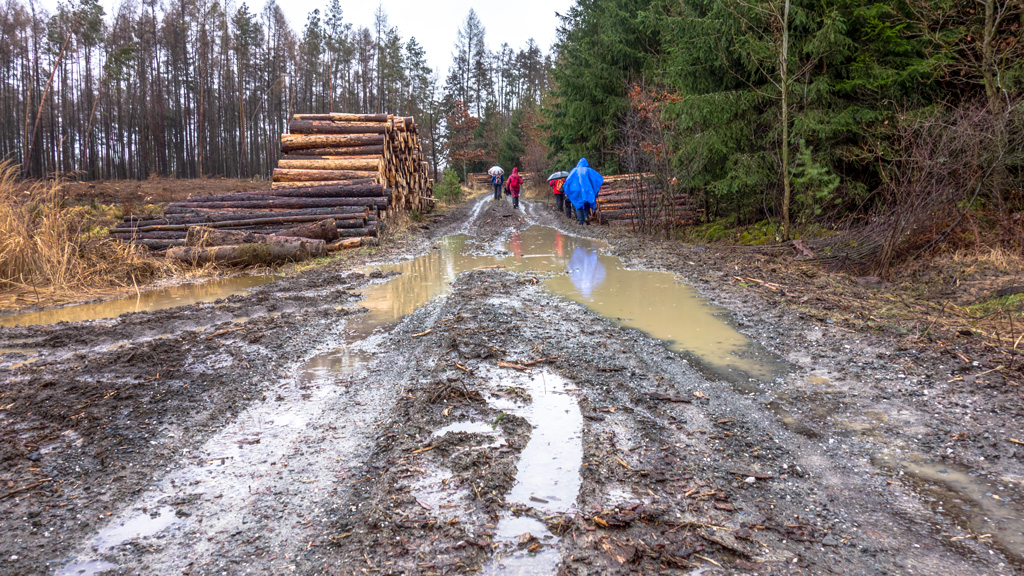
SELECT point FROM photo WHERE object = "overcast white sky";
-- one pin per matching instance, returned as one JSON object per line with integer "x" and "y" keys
{"x": 434, "y": 24}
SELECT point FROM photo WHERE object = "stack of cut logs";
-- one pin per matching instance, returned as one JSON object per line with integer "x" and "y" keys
{"x": 482, "y": 180}
{"x": 338, "y": 175}
{"x": 629, "y": 200}
{"x": 479, "y": 181}
{"x": 288, "y": 228}
{"x": 334, "y": 149}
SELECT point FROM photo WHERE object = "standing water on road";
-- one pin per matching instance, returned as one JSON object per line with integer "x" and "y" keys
{"x": 159, "y": 299}
{"x": 654, "y": 302}
{"x": 548, "y": 473}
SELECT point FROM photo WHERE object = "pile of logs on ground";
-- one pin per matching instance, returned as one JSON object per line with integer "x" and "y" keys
{"x": 350, "y": 208}
{"x": 631, "y": 200}
{"x": 328, "y": 149}
{"x": 482, "y": 180}
{"x": 478, "y": 181}
{"x": 338, "y": 176}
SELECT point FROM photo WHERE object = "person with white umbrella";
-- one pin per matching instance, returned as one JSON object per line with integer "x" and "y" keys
{"x": 497, "y": 179}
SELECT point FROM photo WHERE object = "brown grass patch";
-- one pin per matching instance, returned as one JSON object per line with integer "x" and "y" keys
{"x": 53, "y": 252}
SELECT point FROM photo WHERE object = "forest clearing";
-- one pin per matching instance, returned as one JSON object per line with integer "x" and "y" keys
{"x": 345, "y": 419}
{"x": 286, "y": 293}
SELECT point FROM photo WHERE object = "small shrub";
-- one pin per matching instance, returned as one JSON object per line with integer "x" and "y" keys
{"x": 450, "y": 190}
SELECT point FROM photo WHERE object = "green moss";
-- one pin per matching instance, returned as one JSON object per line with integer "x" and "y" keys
{"x": 1014, "y": 304}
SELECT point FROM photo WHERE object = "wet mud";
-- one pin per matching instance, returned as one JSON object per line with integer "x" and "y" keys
{"x": 495, "y": 392}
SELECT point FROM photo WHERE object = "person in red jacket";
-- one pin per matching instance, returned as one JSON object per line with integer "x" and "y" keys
{"x": 556, "y": 188}
{"x": 513, "y": 185}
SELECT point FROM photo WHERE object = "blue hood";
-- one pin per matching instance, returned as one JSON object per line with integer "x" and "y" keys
{"x": 585, "y": 270}
{"x": 582, "y": 184}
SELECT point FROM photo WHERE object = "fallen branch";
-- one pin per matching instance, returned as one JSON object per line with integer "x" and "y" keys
{"x": 223, "y": 332}
{"x": 25, "y": 488}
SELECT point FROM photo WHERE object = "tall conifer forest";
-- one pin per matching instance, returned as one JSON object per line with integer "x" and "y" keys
{"x": 804, "y": 111}
{"x": 189, "y": 88}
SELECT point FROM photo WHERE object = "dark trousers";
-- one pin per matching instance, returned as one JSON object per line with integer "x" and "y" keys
{"x": 515, "y": 201}
{"x": 497, "y": 191}
{"x": 583, "y": 214}
{"x": 559, "y": 201}
{"x": 569, "y": 211}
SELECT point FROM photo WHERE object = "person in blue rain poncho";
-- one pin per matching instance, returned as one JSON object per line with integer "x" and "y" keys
{"x": 585, "y": 270}
{"x": 581, "y": 188}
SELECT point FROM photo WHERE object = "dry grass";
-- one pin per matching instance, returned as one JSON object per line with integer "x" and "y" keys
{"x": 52, "y": 252}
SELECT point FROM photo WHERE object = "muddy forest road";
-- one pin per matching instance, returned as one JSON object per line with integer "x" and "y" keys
{"x": 498, "y": 394}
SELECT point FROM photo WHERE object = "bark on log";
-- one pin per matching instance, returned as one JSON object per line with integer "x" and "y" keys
{"x": 159, "y": 244}
{"x": 310, "y": 192}
{"x": 304, "y": 141}
{"x": 356, "y": 232}
{"x": 229, "y": 224}
{"x": 181, "y": 213}
{"x": 249, "y": 254}
{"x": 132, "y": 235}
{"x": 326, "y": 153}
{"x": 369, "y": 163}
{"x": 342, "y": 117}
{"x": 327, "y": 127}
{"x": 294, "y": 203}
{"x": 300, "y": 185}
{"x": 353, "y": 191}
{"x": 203, "y": 236}
{"x": 326, "y": 230}
{"x": 290, "y": 175}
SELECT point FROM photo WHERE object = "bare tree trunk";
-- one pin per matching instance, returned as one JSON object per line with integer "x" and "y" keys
{"x": 784, "y": 73}
{"x": 42, "y": 101}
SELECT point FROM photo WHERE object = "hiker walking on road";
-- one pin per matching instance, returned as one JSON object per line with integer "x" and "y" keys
{"x": 556, "y": 188}
{"x": 581, "y": 188}
{"x": 515, "y": 182}
{"x": 497, "y": 178}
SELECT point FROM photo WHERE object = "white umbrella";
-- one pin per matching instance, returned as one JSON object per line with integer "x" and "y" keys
{"x": 495, "y": 170}
{"x": 558, "y": 175}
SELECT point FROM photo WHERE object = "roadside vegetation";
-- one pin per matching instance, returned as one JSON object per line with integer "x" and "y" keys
{"x": 52, "y": 251}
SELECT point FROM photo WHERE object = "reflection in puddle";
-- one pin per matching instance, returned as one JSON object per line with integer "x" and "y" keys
{"x": 241, "y": 456}
{"x": 547, "y": 475}
{"x": 654, "y": 302}
{"x": 140, "y": 526}
{"x": 181, "y": 295}
{"x": 89, "y": 568}
{"x": 985, "y": 509}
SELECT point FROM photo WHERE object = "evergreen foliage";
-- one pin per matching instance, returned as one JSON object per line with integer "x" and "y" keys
{"x": 854, "y": 73}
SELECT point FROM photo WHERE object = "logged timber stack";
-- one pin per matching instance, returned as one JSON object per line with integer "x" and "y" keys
{"x": 258, "y": 213}
{"x": 336, "y": 148}
{"x": 629, "y": 199}
{"x": 338, "y": 175}
{"x": 482, "y": 180}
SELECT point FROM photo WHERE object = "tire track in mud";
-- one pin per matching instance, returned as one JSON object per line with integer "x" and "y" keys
{"x": 680, "y": 473}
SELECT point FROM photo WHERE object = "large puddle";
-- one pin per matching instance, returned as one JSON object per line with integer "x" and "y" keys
{"x": 547, "y": 472}
{"x": 547, "y": 475}
{"x": 158, "y": 299}
{"x": 654, "y": 302}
